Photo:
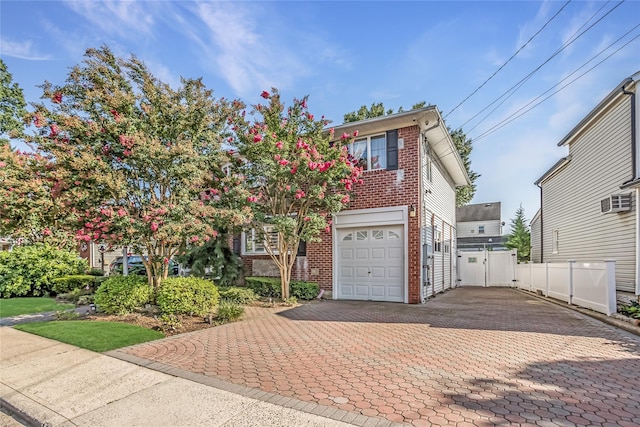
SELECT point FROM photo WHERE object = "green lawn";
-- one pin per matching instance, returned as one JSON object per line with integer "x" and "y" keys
{"x": 92, "y": 335}
{"x": 16, "y": 306}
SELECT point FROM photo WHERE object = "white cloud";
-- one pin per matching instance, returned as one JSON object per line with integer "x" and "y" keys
{"x": 124, "y": 18}
{"x": 22, "y": 50}
{"x": 248, "y": 57}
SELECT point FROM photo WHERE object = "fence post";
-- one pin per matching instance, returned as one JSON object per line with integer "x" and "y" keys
{"x": 610, "y": 277}
{"x": 570, "y": 293}
{"x": 546, "y": 269}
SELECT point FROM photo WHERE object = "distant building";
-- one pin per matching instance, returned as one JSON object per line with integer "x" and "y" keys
{"x": 479, "y": 226}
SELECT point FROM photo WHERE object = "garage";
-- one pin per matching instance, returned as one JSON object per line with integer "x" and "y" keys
{"x": 370, "y": 263}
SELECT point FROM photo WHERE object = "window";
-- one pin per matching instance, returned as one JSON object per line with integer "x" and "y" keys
{"x": 427, "y": 161}
{"x": 555, "y": 242}
{"x": 481, "y": 229}
{"x": 447, "y": 246}
{"x": 254, "y": 245}
{"x": 473, "y": 260}
{"x": 437, "y": 241}
{"x": 370, "y": 152}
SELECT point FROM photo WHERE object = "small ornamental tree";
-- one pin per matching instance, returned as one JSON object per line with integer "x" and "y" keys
{"x": 297, "y": 178}
{"x": 520, "y": 237}
{"x": 143, "y": 160}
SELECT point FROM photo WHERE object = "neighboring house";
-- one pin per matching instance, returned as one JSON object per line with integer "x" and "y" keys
{"x": 589, "y": 199}
{"x": 397, "y": 240}
{"x": 536, "y": 247}
{"x": 479, "y": 227}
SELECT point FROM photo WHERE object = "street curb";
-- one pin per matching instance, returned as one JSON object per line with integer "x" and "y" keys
{"x": 18, "y": 415}
{"x": 620, "y": 324}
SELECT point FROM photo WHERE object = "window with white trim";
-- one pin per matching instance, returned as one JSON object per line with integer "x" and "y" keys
{"x": 254, "y": 245}
{"x": 555, "y": 242}
{"x": 437, "y": 240}
{"x": 371, "y": 152}
{"x": 481, "y": 229}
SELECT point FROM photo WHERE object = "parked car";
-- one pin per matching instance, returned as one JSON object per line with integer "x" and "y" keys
{"x": 136, "y": 266}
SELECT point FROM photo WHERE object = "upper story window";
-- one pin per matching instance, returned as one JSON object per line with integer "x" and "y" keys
{"x": 370, "y": 152}
{"x": 481, "y": 229}
{"x": 437, "y": 240}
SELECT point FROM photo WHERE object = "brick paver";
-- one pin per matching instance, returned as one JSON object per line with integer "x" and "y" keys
{"x": 472, "y": 356}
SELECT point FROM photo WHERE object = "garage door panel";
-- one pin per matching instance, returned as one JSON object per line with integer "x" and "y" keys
{"x": 346, "y": 253}
{"x": 362, "y": 253}
{"x": 347, "y": 271}
{"x": 395, "y": 253}
{"x": 394, "y": 272}
{"x": 378, "y": 272}
{"x": 362, "y": 272}
{"x": 394, "y": 292}
{"x": 378, "y": 291}
{"x": 362, "y": 291}
{"x": 377, "y": 253}
{"x": 371, "y": 263}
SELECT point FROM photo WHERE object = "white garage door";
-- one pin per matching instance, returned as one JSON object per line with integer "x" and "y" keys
{"x": 371, "y": 263}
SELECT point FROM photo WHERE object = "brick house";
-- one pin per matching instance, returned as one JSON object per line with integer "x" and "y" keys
{"x": 396, "y": 242}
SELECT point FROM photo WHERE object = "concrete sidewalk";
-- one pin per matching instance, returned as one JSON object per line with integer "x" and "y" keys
{"x": 56, "y": 384}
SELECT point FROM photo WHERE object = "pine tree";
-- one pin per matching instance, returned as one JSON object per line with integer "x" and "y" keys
{"x": 520, "y": 237}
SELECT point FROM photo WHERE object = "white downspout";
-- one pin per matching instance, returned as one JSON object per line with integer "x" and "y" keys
{"x": 637, "y": 244}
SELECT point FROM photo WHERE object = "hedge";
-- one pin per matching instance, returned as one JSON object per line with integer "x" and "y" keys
{"x": 271, "y": 287}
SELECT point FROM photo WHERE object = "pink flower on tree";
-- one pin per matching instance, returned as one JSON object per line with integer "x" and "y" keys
{"x": 46, "y": 232}
{"x": 265, "y": 94}
{"x": 284, "y": 162}
{"x": 57, "y": 98}
{"x": 252, "y": 199}
{"x": 154, "y": 227}
{"x": 294, "y": 169}
{"x": 344, "y": 136}
{"x": 194, "y": 239}
{"x": 279, "y": 145}
{"x": 299, "y": 194}
{"x": 257, "y": 138}
{"x": 355, "y": 133}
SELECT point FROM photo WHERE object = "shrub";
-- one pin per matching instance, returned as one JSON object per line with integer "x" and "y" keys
{"x": 304, "y": 290}
{"x": 264, "y": 286}
{"x": 237, "y": 295}
{"x": 67, "y": 315}
{"x": 123, "y": 294}
{"x": 187, "y": 295}
{"x": 270, "y": 287}
{"x": 229, "y": 311}
{"x": 632, "y": 309}
{"x": 96, "y": 272}
{"x": 69, "y": 283}
{"x": 30, "y": 270}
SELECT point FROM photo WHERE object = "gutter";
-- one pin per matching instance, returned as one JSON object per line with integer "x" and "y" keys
{"x": 634, "y": 167}
{"x": 539, "y": 185}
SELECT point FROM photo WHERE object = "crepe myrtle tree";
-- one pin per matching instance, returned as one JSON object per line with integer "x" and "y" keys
{"x": 32, "y": 206}
{"x": 298, "y": 179}
{"x": 143, "y": 160}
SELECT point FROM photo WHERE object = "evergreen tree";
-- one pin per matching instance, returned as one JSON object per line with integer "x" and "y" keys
{"x": 520, "y": 237}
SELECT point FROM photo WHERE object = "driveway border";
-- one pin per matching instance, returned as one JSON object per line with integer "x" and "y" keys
{"x": 254, "y": 393}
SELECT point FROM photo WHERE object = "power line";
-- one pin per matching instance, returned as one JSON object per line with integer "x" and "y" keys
{"x": 515, "y": 115}
{"x": 520, "y": 83}
{"x": 509, "y": 60}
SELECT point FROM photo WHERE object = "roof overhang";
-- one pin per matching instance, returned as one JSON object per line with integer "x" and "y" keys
{"x": 555, "y": 168}
{"x": 599, "y": 109}
{"x": 431, "y": 125}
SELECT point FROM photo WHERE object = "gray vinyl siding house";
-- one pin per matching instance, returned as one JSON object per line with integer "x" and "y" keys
{"x": 579, "y": 218}
{"x": 536, "y": 256}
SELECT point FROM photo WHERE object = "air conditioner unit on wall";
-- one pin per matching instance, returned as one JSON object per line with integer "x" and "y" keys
{"x": 616, "y": 203}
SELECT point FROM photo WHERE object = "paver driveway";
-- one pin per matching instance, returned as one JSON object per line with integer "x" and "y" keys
{"x": 472, "y": 356}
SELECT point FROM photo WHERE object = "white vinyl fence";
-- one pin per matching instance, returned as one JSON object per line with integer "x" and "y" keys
{"x": 486, "y": 268}
{"x": 587, "y": 284}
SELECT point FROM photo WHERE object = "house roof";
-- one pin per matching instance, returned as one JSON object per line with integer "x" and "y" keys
{"x": 553, "y": 169}
{"x": 431, "y": 125}
{"x": 593, "y": 114}
{"x": 478, "y": 212}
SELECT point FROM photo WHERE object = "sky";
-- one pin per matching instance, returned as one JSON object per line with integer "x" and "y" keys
{"x": 516, "y": 76}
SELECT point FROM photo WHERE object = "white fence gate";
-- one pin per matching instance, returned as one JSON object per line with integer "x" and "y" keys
{"x": 487, "y": 268}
